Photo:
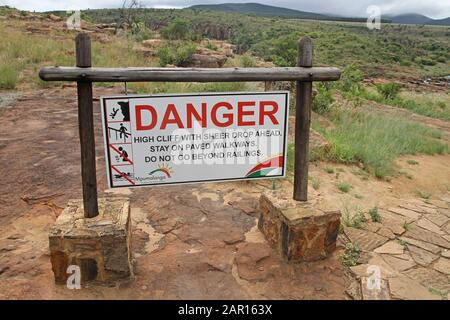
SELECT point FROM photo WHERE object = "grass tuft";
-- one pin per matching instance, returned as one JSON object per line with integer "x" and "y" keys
{"x": 376, "y": 140}
{"x": 413, "y": 162}
{"x": 423, "y": 194}
{"x": 375, "y": 215}
{"x": 343, "y": 186}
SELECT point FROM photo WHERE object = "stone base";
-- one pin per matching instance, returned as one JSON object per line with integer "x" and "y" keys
{"x": 100, "y": 246}
{"x": 300, "y": 231}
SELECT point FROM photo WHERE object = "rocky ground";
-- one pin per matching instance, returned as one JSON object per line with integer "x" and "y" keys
{"x": 201, "y": 241}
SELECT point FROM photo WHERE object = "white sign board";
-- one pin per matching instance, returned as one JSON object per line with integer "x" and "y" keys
{"x": 186, "y": 138}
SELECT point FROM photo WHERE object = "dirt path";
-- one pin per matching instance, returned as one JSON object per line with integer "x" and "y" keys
{"x": 192, "y": 242}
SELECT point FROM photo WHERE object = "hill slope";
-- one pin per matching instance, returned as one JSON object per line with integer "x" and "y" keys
{"x": 414, "y": 18}
{"x": 261, "y": 10}
{"x": 273, "y": 11}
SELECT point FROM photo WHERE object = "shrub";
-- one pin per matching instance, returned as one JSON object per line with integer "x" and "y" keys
{"x": 247, "y": 61}
{"x": 412, "y": 162}
{"x": 184, "y": 53}
{"x": 178, "y": 29}
{"x": 376, "y": 139}
{"x": 323, "y": 99}
{"x": 8, "y": 77}
{"x": 351, "y": 78}
{"x": 389, "y": 90}
{"x": 176, "y": 54}
{"x": 165, "y": 56}
{"x": 211, "y": 46}
{"x": 427, "y": 62}
{"x": 140, "y": 31}
{"x": 351, "y": 255}
{"x": 375, "y": 215}
{"x": 343, "y": 186}
{"x": 423, "y": 194}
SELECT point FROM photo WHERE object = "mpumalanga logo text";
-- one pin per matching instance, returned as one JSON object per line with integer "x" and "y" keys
{"x": 162, "y": 173}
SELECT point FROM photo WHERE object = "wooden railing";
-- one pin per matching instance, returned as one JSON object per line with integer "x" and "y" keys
{"x": 304, "y": 74}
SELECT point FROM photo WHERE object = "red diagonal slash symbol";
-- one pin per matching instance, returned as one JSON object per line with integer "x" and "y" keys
{"x": 120, "y": 153}
{"x": 122, "y": 174}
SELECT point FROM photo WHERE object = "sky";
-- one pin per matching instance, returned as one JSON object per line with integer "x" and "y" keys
{"x": 431, "y": 8}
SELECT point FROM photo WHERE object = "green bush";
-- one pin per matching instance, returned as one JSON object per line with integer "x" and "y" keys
{"x": 211, "y": 46}
{"x": 176, "y": 54}
{"x": 351, "y": 78}
{"x": 427, "y": 62}
{"x": 323, "y": 99}
{"x": 375, "y": 215}
{"x": 178, "y": 29}
{"x": 389, "y": 90}
{"x": 247, "y": 61}
{"x": 376, "y": 140}
{"x": 351, "y": 255}
{"x": 140, "y": 31}
{"x": 8, "y": 77}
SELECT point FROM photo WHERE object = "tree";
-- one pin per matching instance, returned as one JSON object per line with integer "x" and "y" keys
{"x": 128, "y": 12}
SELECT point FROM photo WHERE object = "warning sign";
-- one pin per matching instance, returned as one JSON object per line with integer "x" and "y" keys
{"x": 172, "y": 139}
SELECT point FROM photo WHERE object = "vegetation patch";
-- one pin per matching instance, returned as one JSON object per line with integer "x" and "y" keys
{"x": 375, "y": 215}
{"x": 423, "y": 194}
{"x": 176, "y": 53}
{"x": 376, "y": 140}
{"x": 343, "y": 186}
{"x": 412, "y": 162}
{"x": 351, "y": 219}
{"x": 351, "y": 255}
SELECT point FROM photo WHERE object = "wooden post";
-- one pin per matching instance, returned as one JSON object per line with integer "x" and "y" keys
{"x": 302, "y": 122}
{"x": 268, "y": 85}
{"x": 86, "y": 127}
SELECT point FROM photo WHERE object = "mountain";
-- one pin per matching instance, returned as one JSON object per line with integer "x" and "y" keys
{"x": 272, "y": 11}
{"x": 266, "y": 10}
{"x": 414, "y": 18}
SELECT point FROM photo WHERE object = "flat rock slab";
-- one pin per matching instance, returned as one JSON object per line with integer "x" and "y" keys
{"x": 438, "y": 219}
{"x": 424, "y": 245}
{"x": 412, "y": 207}
{"x": 421, "y": 256}
{"x": 413, "y": 215}
{"x": 366, "y": 240}
{"x": 447, "y": 230}
{"x": 391, "y": 247}
{"x": 370, "y": 291}
{"x": 398, "y": 263}
{"x": 430, "y": 226}
{"x": 445, "y": 212}
{"x": 438, "y": 203}
{"x": 443, "y": 265}
{"x": 253, "y": 261}
{"x": 394, "y": 221}
{"x": 405, "y": 288}
{"x": 445, "y": 253}
{"x": 418, "y": 233}
{"x": 429, "y": 278}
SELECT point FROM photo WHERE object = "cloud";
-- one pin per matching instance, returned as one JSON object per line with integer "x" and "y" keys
{"x": 432, "y": 8}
